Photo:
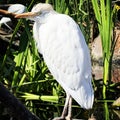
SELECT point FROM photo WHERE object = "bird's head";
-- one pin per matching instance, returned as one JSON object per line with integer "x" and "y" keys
{"x": 37, "y": 10}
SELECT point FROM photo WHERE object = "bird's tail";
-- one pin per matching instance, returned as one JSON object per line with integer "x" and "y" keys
{"x": 84, "y": 95}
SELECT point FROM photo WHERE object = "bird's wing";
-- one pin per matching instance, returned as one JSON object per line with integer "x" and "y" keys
{"x": 66, "y": 53}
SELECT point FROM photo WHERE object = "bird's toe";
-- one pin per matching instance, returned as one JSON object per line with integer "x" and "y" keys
{"x": 68, "y": 118}
{"x": 59, "y": 118}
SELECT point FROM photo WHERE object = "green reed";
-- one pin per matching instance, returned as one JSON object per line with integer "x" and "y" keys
{"x": 104, "y": 16}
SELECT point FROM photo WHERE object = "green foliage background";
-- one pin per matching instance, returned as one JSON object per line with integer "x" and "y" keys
{"x": 23, "y": 70}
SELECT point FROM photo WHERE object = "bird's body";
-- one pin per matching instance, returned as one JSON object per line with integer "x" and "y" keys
{"x": 66, "y": 54}
{"x": 62, "y": 44}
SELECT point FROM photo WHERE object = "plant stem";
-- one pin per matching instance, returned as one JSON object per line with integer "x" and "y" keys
{"x": 105, "y": 76}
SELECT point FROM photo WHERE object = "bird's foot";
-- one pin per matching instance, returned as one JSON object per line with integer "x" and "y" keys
{"x": 59, "y": 118}
{"x": 62, "y": 118}
{"x": 68, "y": 118}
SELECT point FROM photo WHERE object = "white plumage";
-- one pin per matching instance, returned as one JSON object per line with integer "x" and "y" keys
{"x": 62, "y": 44}
{"x": 17, "y": 8}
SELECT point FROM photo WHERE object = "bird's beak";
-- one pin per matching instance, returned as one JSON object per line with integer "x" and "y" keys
{"x": 26, "y": 15}
{"x": 7, "y": 13}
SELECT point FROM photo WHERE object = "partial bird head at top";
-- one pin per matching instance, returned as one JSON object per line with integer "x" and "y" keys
{"x": 41, "y": 7}
{"x": 36, "y": 11}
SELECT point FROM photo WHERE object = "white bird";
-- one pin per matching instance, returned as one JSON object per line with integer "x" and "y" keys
{"x": 62, "y": 44}
{"x": 15, "y": 8}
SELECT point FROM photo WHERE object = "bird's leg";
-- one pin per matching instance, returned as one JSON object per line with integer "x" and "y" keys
{"x": 69, "y": 117}
{"x": 65, "y": 109}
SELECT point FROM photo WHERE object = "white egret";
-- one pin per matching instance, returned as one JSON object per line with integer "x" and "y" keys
{"x": 62, "y": 44}
{"x": 15, "y": 8}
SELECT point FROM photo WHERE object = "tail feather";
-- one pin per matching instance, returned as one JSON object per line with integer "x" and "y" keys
{"x": 84, "y": 95}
